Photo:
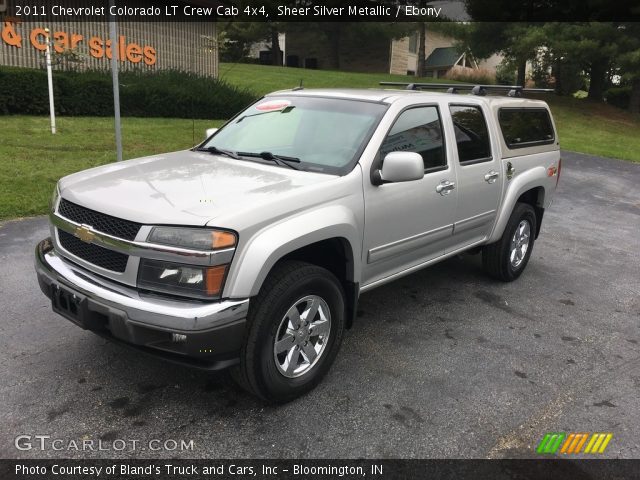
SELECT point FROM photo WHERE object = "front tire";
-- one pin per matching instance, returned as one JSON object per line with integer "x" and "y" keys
{"x": 507, "y": 258}
{"x": 295, "y": 328}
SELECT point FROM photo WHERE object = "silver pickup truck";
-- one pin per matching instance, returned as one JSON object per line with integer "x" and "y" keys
{"x": 250, "y": 250}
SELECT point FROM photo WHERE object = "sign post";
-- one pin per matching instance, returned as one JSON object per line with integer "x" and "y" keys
{"x": 114, "y": 78}
{"x": 52, "y": 112}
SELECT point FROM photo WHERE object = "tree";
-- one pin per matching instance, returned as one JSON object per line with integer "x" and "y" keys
{"x": 422, "y": 39}
{"x": 274, "y": 35}
{"x": 629, "y": 61}
{"x": 236, "y": 39}
{"x": 421, "y": 54}
{"x": 239, "y": 36}
{"x": 333, "y": 32}
{"x": 337, "y": 34}
{"x": 593, "y": 47}
{"x": 514, "y": 33}
{"x": 518, "y": 42}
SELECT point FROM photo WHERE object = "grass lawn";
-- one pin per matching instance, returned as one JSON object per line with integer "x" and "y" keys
{"x": 32, "y": 160}
{"x": 584, "y": 126}
{"x": 596, "y": 128}
{"x": 263, "y": 79}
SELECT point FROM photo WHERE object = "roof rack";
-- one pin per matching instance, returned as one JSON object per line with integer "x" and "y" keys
{"x": 512, "y": 90}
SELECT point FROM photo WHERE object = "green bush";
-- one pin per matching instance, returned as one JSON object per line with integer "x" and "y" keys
{"x": 618, "y": 97}
{"x": 158, "y": 94}
{"x": 505, "y": 74}
{"x": 23, "y": 91}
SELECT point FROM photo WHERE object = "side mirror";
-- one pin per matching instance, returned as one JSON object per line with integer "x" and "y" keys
{"x": 210, "y": 131}
{"x": 400, "y": 167}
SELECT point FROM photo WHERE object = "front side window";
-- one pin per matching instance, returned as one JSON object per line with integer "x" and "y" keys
{"x": 472, "y": 135}
{"x": 324, "y": 134}
{"x": 418, "y": 130}
{"x": 525, "y": 127}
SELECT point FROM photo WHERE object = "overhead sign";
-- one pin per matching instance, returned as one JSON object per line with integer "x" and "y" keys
{"x": 63, "y": 41}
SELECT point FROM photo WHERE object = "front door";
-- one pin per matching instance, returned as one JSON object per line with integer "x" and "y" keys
{"x": 409, "y": 223}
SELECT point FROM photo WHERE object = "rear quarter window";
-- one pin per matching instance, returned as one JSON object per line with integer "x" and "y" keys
{"x": 525, "y": 127}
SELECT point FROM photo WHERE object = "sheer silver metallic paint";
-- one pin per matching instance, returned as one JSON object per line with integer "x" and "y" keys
{"x": 276, "y": 210}
{"x": 173, "y": 315}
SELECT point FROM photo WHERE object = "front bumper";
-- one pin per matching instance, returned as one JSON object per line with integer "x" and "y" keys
{"x": 201, "y": 335}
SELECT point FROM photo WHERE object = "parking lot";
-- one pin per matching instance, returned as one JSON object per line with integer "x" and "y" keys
{"x": 443, "y": 363}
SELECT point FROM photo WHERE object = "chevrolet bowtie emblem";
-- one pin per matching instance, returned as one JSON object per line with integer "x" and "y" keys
{"x": 84, "y": 233}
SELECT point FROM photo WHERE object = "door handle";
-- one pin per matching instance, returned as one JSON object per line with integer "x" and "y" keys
{"x": 445, "y": 187}
{"x": 491, "y": 177}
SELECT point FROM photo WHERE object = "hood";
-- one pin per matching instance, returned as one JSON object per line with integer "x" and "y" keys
{"x": 182, "y": 188}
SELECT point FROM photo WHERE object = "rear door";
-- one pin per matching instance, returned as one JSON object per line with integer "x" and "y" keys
{"x": 479, "y": 175}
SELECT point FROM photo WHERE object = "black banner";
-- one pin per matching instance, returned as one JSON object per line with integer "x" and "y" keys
{"x": 322, "y": 10}
{"x": 320, "y": 469}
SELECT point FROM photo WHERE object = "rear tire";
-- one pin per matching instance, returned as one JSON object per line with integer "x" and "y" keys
{"x": 295, "y": 328}
{"x": 507, "y": 258}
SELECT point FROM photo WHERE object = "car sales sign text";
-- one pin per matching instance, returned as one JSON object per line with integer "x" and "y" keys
{"x": 98, "y": 47}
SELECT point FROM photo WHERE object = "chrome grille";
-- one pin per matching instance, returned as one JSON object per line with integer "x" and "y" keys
{"x": 99, "y": 221}
{"x": 102, "y": 257}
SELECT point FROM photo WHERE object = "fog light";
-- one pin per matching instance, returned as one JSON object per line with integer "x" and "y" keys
{"x": 178, "y": 338}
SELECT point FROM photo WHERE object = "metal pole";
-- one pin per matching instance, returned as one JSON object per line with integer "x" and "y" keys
{"x": 114, "y": 77}
{"x": 52, "y": 110}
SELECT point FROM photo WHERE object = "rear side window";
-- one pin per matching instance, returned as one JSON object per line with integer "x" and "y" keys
{"x": 472, "y": 135}
{"x": 418, "y": 130}
{"x": 525, "y": 127}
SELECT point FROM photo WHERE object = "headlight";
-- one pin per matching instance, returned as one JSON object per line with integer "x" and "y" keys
{"x": 54, "y": 198}
{"x": 179, "y": 279}
{"x": 194, "y": 281}
{"x": 194, "y": 238}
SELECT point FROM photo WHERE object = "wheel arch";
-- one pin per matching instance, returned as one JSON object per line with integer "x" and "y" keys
{"x": 535, "y": 198}
{"x": 525, "y": 188}
{"x": 329, "y": 238}
{"x": 336, "y": 255}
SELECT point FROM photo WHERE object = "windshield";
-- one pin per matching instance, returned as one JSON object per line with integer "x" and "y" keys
{"x": 326, "y": 135}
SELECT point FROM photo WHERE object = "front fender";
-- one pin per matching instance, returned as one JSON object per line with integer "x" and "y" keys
{"x": 266, "y": 247}
{"x": 532, "y": 178}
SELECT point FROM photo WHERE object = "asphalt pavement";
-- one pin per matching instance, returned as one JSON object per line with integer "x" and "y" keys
{"x": 445, "y": 363}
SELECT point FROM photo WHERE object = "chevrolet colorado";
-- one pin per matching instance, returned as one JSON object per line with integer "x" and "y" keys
{"x": 250, "y": 250}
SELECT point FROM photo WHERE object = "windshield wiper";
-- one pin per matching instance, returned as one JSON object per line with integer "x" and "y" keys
{"x": 279, "y": 159}
{"x": 284, "y": 110}
{"x": 219, "y": 151}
